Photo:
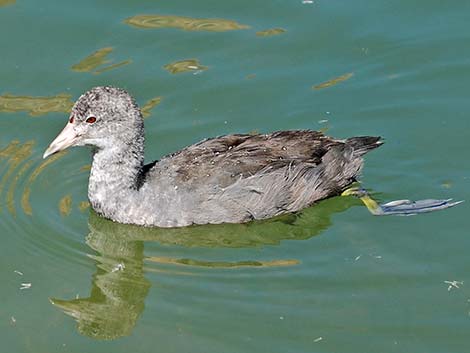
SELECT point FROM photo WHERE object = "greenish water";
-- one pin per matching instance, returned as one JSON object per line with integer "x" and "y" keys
{"x": 332, "y": 279}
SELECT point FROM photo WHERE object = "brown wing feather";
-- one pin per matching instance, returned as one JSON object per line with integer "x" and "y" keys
{"x": 225, "y": 159}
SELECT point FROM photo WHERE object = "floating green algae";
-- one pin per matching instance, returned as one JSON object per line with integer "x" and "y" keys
{"x": 83, "y": 206}
{"x": 36, "y": 106}
{"x": 222, "y": 264}
{"x": 152, "y": 103}
{"x": 93, "y": 60}
{"x": 184, "y": 66}
{"x": 270, "y": 32}
{"x": 334, "y": 81}
{"x": 65, "y": 205}
{"x": 6, "y": 2}
{"x": 113, "y": 66}
{"x": 184, "y": 23}
{"x": 96, "y": 59}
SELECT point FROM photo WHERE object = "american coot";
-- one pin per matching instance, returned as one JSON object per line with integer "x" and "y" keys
{"x": 232, "y": 179}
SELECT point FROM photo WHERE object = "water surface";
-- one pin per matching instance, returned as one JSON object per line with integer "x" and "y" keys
{"x": 330, "y": 279}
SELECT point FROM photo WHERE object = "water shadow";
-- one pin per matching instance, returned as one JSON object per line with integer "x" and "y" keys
{"x": 119, "y": 287}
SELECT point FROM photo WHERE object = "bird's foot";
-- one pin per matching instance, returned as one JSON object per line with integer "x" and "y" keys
{"x": 398, "y": 207}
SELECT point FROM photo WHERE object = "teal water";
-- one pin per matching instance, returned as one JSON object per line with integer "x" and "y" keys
{"x": 332, "y": 279}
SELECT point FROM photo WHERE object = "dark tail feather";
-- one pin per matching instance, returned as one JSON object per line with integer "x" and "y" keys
{"x": 363, "y": 144}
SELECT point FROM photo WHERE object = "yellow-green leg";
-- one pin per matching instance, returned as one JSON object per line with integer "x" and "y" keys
{"x": 398, "y": 207}
{"x": 368, "y": 201}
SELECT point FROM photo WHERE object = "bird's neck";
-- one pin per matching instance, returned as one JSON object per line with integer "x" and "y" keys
{"x": 114, "y": 177}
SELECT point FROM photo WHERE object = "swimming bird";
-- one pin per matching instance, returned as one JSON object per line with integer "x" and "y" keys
{"x": 228, "y": 179}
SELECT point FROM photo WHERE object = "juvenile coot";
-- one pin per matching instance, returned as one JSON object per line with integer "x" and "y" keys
{"x": 232, "y": 179}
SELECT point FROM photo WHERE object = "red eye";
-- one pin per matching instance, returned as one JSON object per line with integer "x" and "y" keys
{"x": 91, "y": 120}
{"x": 71, "y": 120}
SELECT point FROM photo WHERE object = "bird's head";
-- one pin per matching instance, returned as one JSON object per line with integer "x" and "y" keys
{"x": 103, "y": 117}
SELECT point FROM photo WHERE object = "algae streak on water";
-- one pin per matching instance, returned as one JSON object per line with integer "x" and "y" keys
{"x": 270, "y": 32}
{"x": 36, "y": 106}
{"x": 83, "y": 206}
{"x": 112, "y": 67}
{"x": 184, "y": 66}
{"x": 184, "y": 23}
{"x": 65, "y": 205}
{"x": 152, "y": 103}
{"x": 6, "y": 2}
{"x": 222, "y": 264}
{"x": 334, "y": 81}
{"x": 94, "y": 60}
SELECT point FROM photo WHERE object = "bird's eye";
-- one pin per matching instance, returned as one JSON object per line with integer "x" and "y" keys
{"x": 91, "y": 120}
{"x": 71, "y": 120}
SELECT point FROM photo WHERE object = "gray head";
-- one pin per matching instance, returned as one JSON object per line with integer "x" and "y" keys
{"x": 103, "y": 117}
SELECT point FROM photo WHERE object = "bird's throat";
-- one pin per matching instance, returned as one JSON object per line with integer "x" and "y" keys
{"x": 114, "y": 177}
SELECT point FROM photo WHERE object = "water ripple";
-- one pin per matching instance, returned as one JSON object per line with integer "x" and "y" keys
{"x": 14, "y": 154}
{"x": 39, "y": 227}
{"x": 119, "y": 284}
{"x": 53, "y": 225}
{"x": 25, "y": 202}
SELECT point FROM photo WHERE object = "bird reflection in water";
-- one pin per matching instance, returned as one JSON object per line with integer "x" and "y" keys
{"x": 119, "y": 287}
